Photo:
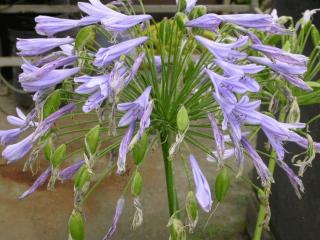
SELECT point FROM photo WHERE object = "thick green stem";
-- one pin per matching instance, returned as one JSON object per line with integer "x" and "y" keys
{"x": 262, "y": 207}
{"x": 169, "y": 171}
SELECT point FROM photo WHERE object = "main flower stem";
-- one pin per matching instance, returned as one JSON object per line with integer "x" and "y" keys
{"x": 169, "y": 171}
{"x": 262, "y": 207}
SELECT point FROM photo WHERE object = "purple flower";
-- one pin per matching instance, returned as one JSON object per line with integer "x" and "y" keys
{"x": 258, "y": 163}
{"x": 224, "y": 51}
{"x": 117, "y": 215}
{"x": 241, "y": 71}
{"x": 293, "y": 178}
{"x": 136, "y": 109}
{"x": 228, "y": 153}
{"x": 97, "y": 10}
{"x": 105, "y": 56}
{"x": 34, "y": 79}
{"x": 209, "y": 21}
{"x": 37, "y": 46}
{"x": 119, "y": 24}
{"x": 48, "y": 26}
{"x": 289, "y": 72}
{"x": 218, "y": 137}
{"x": 38, "y": 183}
{"x": 124, "y": 148}
{"x": 190, "y": 4}
{"x": 68, "y": 172}
{"x": 202, "y": 188}
{"x": 280, "y": 55}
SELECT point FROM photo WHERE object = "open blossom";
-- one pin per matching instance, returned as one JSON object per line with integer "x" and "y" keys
{"x": 281, "y": 55}
{"x": 105, "y": 56}
{"x": 224, "y": 51}
{"x": 291, "y": 73}
{"x": 38, "y": 183}
{"x": 49, "y": 26}
{"x": 18, "y": 150}
{"x": 111, "y": 20}
{"x": 38, "y": 46}
{"x": 241, "y": 72}
{"x": 69, "y": 172}
{"x": 116, "y": 218}
{"x": 258, "y": 163}
{"x": 202, "y": 188}
{"x": 263, "y": 22}
{"x": 34, "y": 79}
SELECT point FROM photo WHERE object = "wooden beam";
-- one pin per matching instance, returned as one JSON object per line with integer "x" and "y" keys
{"x": 10, "y": 61}
{"x": 43, "y": 8}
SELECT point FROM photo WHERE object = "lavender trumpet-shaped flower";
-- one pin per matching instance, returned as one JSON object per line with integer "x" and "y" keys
{"x": 281, "y": 55}
{"x": 241, "y": 71}
{"x": 110, "y": 19}
{"x": 38, "y": 183}
{"x": 69, "y": 172}
{"x": 105, "y": 56}
{"x": 289, "y": 72}
{"x": 218, "y": 137}
{"x": 258, "y": 163}
{"x": 116, "y": 218}
{"x": 202, "y": 188}
{"x": 48, "y": 26}
{"x": 34, "y": 79}
{"x": 224, "y": 51}
{"x": 37, "y": 46}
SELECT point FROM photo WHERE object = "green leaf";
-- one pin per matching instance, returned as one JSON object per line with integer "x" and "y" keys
{"x": 85, "y": 37}
{"x": 76, "y": 226}
{"x": 136, "y": 184}
{"x": 222, "y": 185}
{"x": 51, "y": 104}
{"x": 140, "y": 149}
{"x": 58, "y": 156}
{"x": 92, "y": 140}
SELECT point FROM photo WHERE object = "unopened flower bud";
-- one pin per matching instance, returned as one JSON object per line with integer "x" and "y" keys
{"x": 136, "y": 185}
{"x": 92, "y": 140}
{"x": 192, "y": 210}
{"x": 51, "y": 104}
{"x": 76, "y": 226}
{"x": 294, "y": 112}
{"x": 82, "y": 177}
{"x": 222, "y": 185}
{"x": 178, "y": 231}
{"x": 181, "y": 19}
{"x": 198, "y": 11}
{"x": 182, "y": 5}
{"x": 140, "y": 149}
{"x": 58, "y": 156}
{"x": 182, "y": 119}
{"x": 48, "y": 150}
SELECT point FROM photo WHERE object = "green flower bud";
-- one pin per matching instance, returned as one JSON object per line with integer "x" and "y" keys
{"x": 198, "y": 11}
{"x": 140, "y": 149}
{"x": 181, "y": 20}
{"x": 182, "y": 119}
{"x": 85, "y": 37}
{"x": 136, "y": 184}
{"x": 82, "y": 177}
{"x": 222, "y": 185}
{"x": 52, "y": 104}
{"x": 92, "y": 140}
{"x": 76, "y": 226}
{"x": 58, "y": 156}
{"x": 178, "y": 231}
{"x": 48, "y": 150}
{"x": 192, "y": 209}
{"x": 182, "y": 5}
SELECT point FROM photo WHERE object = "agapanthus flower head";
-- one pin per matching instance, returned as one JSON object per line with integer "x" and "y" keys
{"x": 34, "y": 79}
{"x": 281, "y": 55}
{"x": 105, "y": 56}
{"x": 38, "y": 183}
{"x": 202, "y": 188}
{"x": 224, "y": 51}
{"x": 38, "y": 46}
{"x": 291, "y": 73}
{"x": 134, "y": 110}
{"x": 116, "y": 218}
{"x": 49, "y": 26}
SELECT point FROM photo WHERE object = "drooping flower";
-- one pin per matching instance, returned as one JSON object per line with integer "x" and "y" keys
{"x": 49, "y": 26}
{"x": 307, "y": 15}
{"x": 224, "y": 51}
{"x": 263, "y": 22}
{"x": 291, "y": 73}
{"x": 38, "y": 183}
{"x": 281, "y": 55}
{"x": 116, "y": 218}
{"x": 38, "y": 46}
{"x": 218, "y": 137}
{"x": 105, "y": 56}
{"x": 111, "y": 20}
{"x": 258, "y": 163}
{"x": 69, "y": 172}
{"x": 124, "y": 148}
{"x": 241, "y": 71}
{"x": 202, "y": 188}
